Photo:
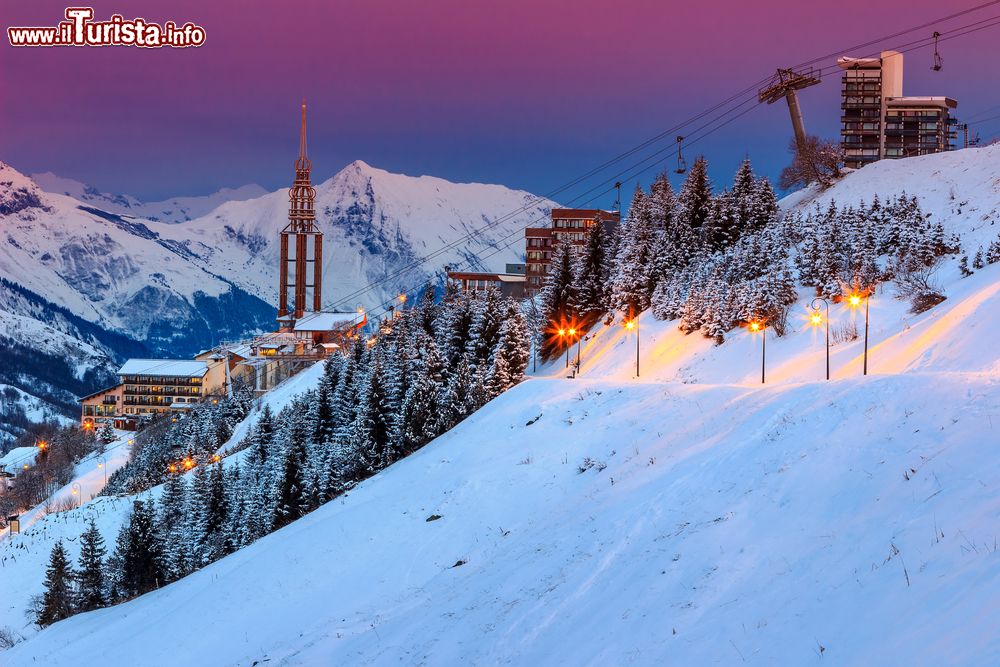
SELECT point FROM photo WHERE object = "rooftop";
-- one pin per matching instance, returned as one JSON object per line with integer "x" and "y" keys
{"x": 943, "y": 102}
{"x": 181, "y": 368}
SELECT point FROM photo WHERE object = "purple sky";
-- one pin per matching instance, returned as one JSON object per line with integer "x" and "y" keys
{"x": 526, "y": 93}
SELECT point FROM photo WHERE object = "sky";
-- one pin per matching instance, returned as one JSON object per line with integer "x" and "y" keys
{"x": 527, "y": 93}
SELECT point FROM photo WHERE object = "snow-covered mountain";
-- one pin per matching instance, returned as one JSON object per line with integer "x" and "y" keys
{"x": 143, "y": 285}
{"x": 175, "y": 209}
{"x": 375, "y": 223}
{"x": 688, "y": 516}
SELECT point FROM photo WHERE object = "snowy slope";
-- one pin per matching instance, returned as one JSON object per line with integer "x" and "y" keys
{"x": 175, "y": 209}
{"x": 720, "y": 522}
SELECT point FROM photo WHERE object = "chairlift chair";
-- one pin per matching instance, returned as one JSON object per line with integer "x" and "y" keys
{"x": 938, "y": 62}
{"x": 681, "y": 163}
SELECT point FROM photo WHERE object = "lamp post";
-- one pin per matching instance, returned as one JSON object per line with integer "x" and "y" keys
{"x": 855, "y": 300}
{"x": 815, "y": 319}
{"x": 76, "y": 493}
{"x": 579, "y": 339}
{"x": 562, "y": 334}
{"x": 761, "y": 326}
{"x": 569, "y": 344}
{"x": 103, "y": 465}
{"x": 632, "y": 326}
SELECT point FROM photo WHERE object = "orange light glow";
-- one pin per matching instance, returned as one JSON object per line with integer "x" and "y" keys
{"x": 854, "y": 299}
{"x": 402, "y": 298}
{"x": 87, "y": 426}
{"x": 755, "y": 326}
{"x": 216, "y": 458}
{"x": 816, "y": 318}
{"x": 172, "y": 467}
{"x": 572, "y": 332}
{"x": 630, "y": 325}
{"x": 25, "y": 466}
{"x": 188, "y": 464}
{"x": 562, "y": 332}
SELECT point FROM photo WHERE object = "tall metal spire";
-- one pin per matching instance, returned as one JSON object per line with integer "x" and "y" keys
{"x": 301, "y": 225}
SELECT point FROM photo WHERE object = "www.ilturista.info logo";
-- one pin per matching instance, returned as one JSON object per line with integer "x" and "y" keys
{"x": 80, "y": 30}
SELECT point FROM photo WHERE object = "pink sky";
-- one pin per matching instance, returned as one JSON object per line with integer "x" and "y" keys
{"x": 529, "y": 94}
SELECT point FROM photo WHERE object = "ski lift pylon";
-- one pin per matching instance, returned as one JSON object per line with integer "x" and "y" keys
{"x": 938, "y": 62}
{"x": 681, "y": 163}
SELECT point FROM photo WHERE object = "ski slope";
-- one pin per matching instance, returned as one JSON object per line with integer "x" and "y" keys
{"x": 687, "y": 516}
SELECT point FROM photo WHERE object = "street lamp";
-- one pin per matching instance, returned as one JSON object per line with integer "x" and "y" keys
{"x": 573, "y": 332}
{"x": 815, "y": 319}
{"x": 855, "y": 300}
{"x": 562, "y": 333}
{"x": 76, "y": 493}
{"x": 632, "y": 326}
{"x": 761, "y": 326}
{"x": 104, "y": 466}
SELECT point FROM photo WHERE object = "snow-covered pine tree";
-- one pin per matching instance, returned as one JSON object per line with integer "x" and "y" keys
{"x": 963, "y": 266}
{"x": 696, "y": 195}
{"x": 211, "y": 544}
{"x": 721, "y": 227}
{"x": 592, "y": 274}
{"x": 373, "y": 426}
{"x": 978, "y": 262}
{"x": 421, "y": 406}
{"x": 57, "y": 600}
{"x": 289, "y": 493}
{"x": 175, "y": 527}
{"x": 511, "y": 357}
{"x": 632, "y": 282}
{"x": 742, "y": 198}
{"x": 993, "y": 252}
{"x": 138, "y": 552}
{"x": 557, "y": 296}
{"x": 487, "y": 307}
{"x": 107, "y": 434}
{"x": 763, "y": 206}
{"x": 91, "y": 585}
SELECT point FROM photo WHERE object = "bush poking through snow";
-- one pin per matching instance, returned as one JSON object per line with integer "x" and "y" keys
{"x": 589, "y": 463}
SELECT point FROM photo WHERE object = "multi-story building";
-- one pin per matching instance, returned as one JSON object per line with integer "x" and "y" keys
{"x": 152, "y": 386}
{"x": 509, "y": 283}
{"x": 569, "y": 225}
{"x": 878, "y": 122}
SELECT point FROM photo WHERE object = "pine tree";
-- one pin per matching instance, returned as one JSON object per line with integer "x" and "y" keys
{"x": 993, "y": 253}
{"x": 558, "y": 295}
{"x": 633, "y": 283}
{"x": 57, "y": 601}
{"x": 107, "y": 434}
{"x": 977, "y": 262}
{"x": 374, "y": 424}
{"x": 721, "y": 227}
{"x": 591, "y": 276}
{"x": 421, "y": 405}
{"x": 963, "y": 266}
{"x": 696, "y": 195}
{"x": 91, "y": 585}
{"x": 173, "y": 520}
{"x": 290, "y": 494}
{"x": 138, "y": 552}
{"x": 511, "y": 358}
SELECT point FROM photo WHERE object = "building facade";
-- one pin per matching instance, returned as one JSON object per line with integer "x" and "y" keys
{"x": 878, "y": 121}
{"x": 508, "y": 284}
{"x": 569, "y": 225}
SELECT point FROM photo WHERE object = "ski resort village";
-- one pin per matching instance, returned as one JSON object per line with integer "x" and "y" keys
{"x": 727, "y": 393}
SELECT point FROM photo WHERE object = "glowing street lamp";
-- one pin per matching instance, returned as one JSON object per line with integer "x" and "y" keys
{"x": 104, "y": 466}
{"x": 579, "y": 335}
{"x": 816, "y": 319}
{"x": 855, "y": 300}
{"x": 631, "y": 325}
{"x": 761, "y": 326}
{"x": 562, "y": 334}
{"x": 76, "y": 493}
